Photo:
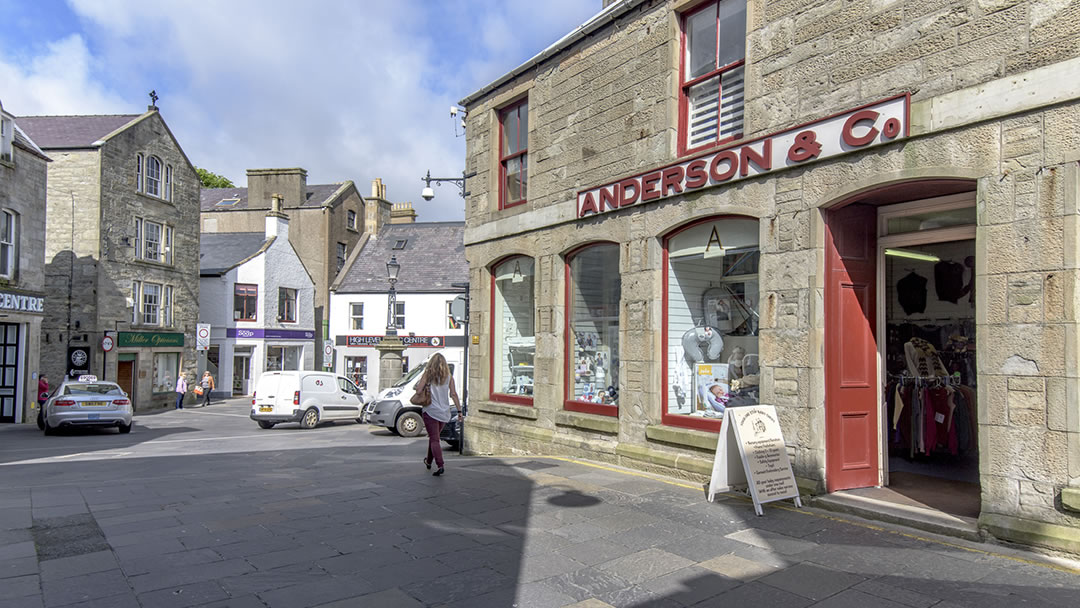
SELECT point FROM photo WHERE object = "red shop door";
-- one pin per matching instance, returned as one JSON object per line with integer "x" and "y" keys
{"x": 851, "y": 376}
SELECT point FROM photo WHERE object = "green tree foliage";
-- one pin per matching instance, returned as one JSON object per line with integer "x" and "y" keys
{"x": 213, "y": 180}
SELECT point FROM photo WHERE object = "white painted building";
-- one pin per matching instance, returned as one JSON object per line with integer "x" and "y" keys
{"x": 432, "y": 259}
{"x": 259, "y": 300}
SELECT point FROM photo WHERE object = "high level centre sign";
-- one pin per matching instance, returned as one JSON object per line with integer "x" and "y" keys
{"x": 876, "y": 124}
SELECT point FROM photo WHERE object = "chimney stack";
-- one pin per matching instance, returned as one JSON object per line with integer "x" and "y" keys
{"x": 277, "y": 222}
{"x": 402, "y": 213}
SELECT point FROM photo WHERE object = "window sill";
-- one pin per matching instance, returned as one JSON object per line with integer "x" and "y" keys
{"x": 690, "y": 438}
{"x": 351, "y": 229}
{"x": 153, "y": 264}
{"x": 588, "y": 422}
{"x": 7, "y": 163}
{"x": 154, "y": 198}
{"x": 515, "y": 399}
{"x": 508, "y": 410}
{"x": 586, "y": 407}
{"x": 699, "y": 423}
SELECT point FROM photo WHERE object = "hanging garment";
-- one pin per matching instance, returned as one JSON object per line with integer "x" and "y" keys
{"x": 949, "y": 281}
{"x": 911, "y": 292}
{"x": 922, "y": 359}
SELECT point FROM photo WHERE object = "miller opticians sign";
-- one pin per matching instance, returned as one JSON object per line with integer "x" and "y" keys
{"x": 879, "y": 123}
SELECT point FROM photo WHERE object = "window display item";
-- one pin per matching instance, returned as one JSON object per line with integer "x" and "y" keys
{"x": 735, "y": 362}
{"x": 712, "y": 386}
{"x": 949, "y": 281}
{"x": 923, "y": 360}
{"x": 702, "y": 344}
{"x": 717, "y": 309}
{"x": 911, "y": 292}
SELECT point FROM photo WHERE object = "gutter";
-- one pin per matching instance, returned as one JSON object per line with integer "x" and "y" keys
{"x": 604, "y": 17}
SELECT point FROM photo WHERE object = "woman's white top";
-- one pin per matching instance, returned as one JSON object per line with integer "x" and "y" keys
{"x": 440, "y": 401}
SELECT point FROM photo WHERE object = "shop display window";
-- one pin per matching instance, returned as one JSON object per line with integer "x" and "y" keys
{"x": 594, "y": 291}
{"x": 282, "y": 358}
{"x": 513, "y": 330}
{"x": 166, "y": 366}
{"x": 711, "y": 318}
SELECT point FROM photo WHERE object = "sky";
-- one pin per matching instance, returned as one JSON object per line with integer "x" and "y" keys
{"x": 345, "y": 89}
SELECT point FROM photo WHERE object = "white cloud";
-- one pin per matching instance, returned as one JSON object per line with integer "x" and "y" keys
{"x": 345, "y": 90}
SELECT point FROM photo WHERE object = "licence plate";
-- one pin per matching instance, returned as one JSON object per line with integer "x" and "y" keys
{"x": 264, "y": 408}
{"x": 93, "y": 416}
{"x": 95, "y": 403}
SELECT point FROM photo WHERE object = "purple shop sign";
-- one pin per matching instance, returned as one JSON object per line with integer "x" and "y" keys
{"x": 270, "y": 334}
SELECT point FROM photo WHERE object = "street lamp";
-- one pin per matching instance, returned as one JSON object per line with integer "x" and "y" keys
{"x": 392, "y": 269}
{"x": 427, "y": 193}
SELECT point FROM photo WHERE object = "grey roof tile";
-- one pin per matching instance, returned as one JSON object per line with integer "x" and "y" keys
{"x": 432, "y": 258}
{"x": 221, "y": 251}
{"x": 317, "y": 195}
{"x": 60, "y": 132}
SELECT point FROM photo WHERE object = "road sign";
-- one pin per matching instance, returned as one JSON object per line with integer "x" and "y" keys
{"x": 107, "y": 343}
{"x": 457, "y": 309}
{"x": 328, "y": 349}
{"x": 202, "y": 336}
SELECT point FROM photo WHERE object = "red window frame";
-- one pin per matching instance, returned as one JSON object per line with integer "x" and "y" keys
{"x": 681, "y": 420}
{"x": 495, "y": 396}
{"x": 570, "y": 404}
{"x": 522, "y": 153}
{"x": 248, "y": 291}
{"x": 685, "y": 85}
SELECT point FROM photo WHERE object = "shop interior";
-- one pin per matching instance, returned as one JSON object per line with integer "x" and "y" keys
{"x": 594, "y": 324}
{"x": 930, "y": 392}
{"x": 513, "y": 317}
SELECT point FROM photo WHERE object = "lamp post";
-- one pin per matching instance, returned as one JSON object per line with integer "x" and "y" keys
{"x": 390, "y": 347}
{"x": 392, "y": 270}
{"x": 427, "y": 193}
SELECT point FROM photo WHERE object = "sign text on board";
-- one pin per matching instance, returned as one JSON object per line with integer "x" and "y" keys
{"x": 879, "y": 123}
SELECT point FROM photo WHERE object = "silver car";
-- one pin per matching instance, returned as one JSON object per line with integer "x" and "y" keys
{"x": 87, "y": 402}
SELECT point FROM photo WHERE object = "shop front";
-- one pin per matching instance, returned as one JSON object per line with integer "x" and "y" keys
{"x": 243, "y": 354}
{"x": 20, "y": 330}
{"x": 900, "y": 300}
{"x": 147, "y": 365}
{"x": 358, "y": 358}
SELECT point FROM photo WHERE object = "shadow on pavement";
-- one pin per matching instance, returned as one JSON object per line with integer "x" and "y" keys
{"x": 370, "y": 526}
{"x": 67, "y": 441}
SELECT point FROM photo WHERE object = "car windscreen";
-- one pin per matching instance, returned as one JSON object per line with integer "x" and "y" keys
{"x": 414, "y": 372}
{"x": 92, "y": 389}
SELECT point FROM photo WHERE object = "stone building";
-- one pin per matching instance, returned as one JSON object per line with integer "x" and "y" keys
{"x": 432, "y": 259}
{"x": 863, "y": 214}
{"x": 121, "y": 251}
{"x": 258, "y": 298}
{"x": 326, "y": 223}
{"x": 23, "y": 173}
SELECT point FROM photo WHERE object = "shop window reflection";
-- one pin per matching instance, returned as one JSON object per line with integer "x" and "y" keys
{"x": 711, "y": 321}
{"x": 513, "y": 327}
{"x": 594, "y": 291}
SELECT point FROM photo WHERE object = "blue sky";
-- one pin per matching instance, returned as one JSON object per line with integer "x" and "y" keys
{"x": 346, "y": 89}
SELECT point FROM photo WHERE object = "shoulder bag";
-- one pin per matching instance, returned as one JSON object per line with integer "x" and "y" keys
{"x": 422, "y": 397}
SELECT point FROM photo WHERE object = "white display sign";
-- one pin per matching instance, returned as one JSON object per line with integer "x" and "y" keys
{"x": 202, "y": 336}
{"x": 750, "y": 452}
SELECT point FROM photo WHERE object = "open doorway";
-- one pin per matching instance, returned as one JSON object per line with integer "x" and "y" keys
{"x": 899, "y": 290}
{"x": 927, "y": 324}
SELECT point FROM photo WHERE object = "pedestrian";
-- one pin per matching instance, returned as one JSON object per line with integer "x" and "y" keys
{"x": 207, "y": 384}
{"x": 181, "y": 390}
{"x": 42, "y": 397}
{"x": 440, "y": 383}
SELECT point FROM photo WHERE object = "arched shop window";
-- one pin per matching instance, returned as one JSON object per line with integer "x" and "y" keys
{"x": 710, "y": 321}
{"x": 593, "y": 292}
{"x": 513, "y": 330}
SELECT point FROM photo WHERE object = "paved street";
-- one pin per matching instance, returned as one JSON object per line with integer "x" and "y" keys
{"x": 202, "y": 508}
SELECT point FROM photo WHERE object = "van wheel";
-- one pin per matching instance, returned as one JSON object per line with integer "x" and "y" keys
{"x": 392, "y": 430}
{"x": 409, "y": 424}
{"x": 263, "y": 424}
{"x": 310, "y": 419}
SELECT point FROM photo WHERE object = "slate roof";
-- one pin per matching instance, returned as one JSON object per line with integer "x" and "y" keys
{"x": 220, "y": 252}
{"x": 317, "y": 195}
{"x": 71, "y": 132}
{"x": 432, "y": 259}
{"x": 21, "y": 139}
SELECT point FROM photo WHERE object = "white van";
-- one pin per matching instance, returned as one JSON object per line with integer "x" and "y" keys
{"x": 392, "y": 409}
{"x": 305, "y": 397}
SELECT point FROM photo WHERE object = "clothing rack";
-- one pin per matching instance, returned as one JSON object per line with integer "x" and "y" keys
{"x": 919, "y": 409}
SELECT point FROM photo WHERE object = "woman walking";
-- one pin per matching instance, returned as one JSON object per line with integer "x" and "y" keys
{"x": 438, "y": 380}
{"x": 207, "y": 384}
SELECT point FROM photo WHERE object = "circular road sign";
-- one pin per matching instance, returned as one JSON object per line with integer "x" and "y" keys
{"x": 107, "y": 343}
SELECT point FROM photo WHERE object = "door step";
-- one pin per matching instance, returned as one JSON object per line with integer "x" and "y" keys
{"x": 929, "y": 520}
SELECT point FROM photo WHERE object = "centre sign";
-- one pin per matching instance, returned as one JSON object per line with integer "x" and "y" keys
{"x": 872, "y": 125}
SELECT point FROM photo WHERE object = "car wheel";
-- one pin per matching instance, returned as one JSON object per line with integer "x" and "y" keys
{"x": 263, "y": 424}
{"x": 409, "y": 424}
{"x": 125, "y": 428}
{"x": 310, "y": 419}
{"x": 41, "y": 420}
{"x": 46, "y": 428}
